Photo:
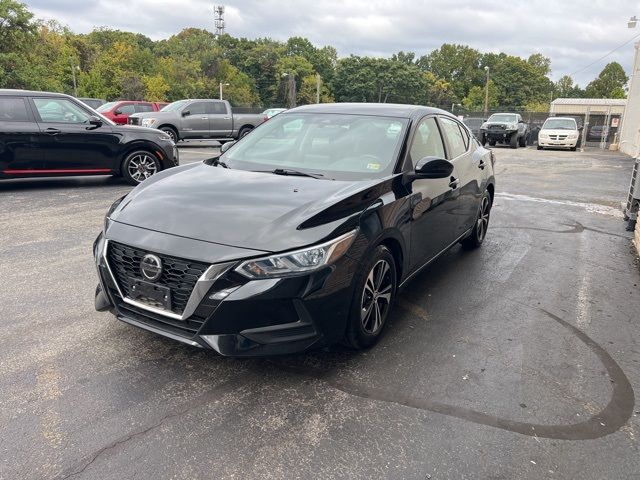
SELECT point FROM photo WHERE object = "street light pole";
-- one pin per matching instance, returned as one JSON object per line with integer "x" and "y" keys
{"x": 486, "y": 92}
{"x": 221, "y": 85}
{"x": 73, "y": 75}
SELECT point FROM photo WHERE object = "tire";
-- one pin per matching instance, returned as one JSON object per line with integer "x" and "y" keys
{"x": 171, "y": 132}
{"x": 492, "y": 143}
{"x": 539, "y": 147}
{"x": 513, "y": 141}
{"x": 138, "y": 166}
{"x": 244, "y": 131}
{"x": 522, "y": 141}
{"x": 365, "y": 325}
{"x": 479, "y": 231}
{"x": 573, "y": 149}
{"x": 483, "y": 140}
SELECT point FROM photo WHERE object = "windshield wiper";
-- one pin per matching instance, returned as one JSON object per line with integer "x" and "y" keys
{"x": 288, "y": 171}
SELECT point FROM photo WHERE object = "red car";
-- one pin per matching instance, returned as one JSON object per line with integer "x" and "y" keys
{"x": 119, "y": 111}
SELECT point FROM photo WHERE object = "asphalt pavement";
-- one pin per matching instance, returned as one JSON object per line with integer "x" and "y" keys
{"x": 518, "y": 360}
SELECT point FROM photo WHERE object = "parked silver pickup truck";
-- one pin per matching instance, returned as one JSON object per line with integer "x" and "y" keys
{"x": 199, "y": 118}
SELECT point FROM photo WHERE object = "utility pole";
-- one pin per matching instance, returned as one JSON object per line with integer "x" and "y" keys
{"x": 73, "y": 75}
{"x": 218, "y": 19}
{"x": 486, "y": 92}
{"x": 222, "y": 85}
{"x": 317, "y": 88}
{"x": 291, "y": 87}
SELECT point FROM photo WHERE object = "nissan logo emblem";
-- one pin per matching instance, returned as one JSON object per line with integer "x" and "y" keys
{"x": 151, "y": 267}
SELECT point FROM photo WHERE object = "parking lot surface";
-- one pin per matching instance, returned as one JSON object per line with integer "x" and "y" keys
{"x": 518, "y": 360}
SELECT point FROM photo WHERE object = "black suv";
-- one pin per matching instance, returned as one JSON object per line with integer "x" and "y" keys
{"x": 50, "y": 134}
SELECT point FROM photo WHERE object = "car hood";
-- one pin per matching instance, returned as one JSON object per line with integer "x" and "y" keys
{"x": 560, "y": 131}
{"x": 258, "y": 211}
{"x": 135, "y": 129}
{"x": 157, "y": 114}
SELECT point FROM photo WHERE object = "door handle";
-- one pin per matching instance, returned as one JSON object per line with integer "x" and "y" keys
{"x": 205, "y": 118}
{"x": 481, "y": 165}
{"x": 226, "y": 118}
{"x": 454, "y": 183}
{"x": 52, "y": 131}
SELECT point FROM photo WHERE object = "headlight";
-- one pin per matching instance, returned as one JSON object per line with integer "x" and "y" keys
{"x": 483, "y": 126}
{"x": 512, "y": 126}
{"x": 543, "y": 135}
{"x": 148, "y": 122}
{"x": 573, "y": 136}
{"x": 165, "y": 138}
{"x": 112, "y": 208}
{"x": 298, "y": 262}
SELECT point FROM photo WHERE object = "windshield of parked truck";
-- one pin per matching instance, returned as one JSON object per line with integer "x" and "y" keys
{"x": 503, "y": 117}
{"x": 332, "y": 146}
{"x": 560, "y": 124}
{"x": 173, "y": 106}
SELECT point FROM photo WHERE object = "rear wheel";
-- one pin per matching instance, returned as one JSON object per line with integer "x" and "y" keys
{"x": 138, "y": 166}
{"x": 513, "y": 141}
{"x": 539, "y": 147}
{"x": 523, "y": 141}
{"x": 374, "y": 295}
{"x": 573, "y": 149}
{"x": 244, "y": 131}
{"x": 479, "y": 231}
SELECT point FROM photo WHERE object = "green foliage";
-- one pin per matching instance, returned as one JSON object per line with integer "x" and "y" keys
{"x": 113, "y": 64}
{"x": 609, "y": 84}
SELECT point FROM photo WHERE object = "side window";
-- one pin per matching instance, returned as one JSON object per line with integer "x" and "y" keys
{"x": 197, "y": 108}
{"x": 454, "y": 137}
{"x": 127, "y": 109}
{"x": 60, "y": 110}
{"x": 217, "y": 108}
{"x": 427, "y": 141}
{"x": 465, "y": 136}
{"x": 144, "y": 107}
{"x": 13, "y": 109}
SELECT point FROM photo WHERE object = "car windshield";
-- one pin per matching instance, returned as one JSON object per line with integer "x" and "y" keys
{"x": 503, "y": 117}
{"x": 173, "y": 106}
{"x": 106, "y": 107}
{"x": 560, "y": 124}
{"x": 332, "y": 146}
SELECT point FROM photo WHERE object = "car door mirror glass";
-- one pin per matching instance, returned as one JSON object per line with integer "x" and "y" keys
{"x": 226, "y": 146}
{"x": 433, "y": 167}
{"x": 186, "y": 113}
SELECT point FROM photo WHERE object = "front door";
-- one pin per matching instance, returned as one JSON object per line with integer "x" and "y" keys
{"x": 71, "y": 144}
{"x": 20, "y": 148}
{"x": 434, "y": 202}
{"x": 195, "y": 120}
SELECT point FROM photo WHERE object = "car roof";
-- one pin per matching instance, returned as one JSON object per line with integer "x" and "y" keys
{"x": 377, "y": 109}
{"x": 31, "y": 93}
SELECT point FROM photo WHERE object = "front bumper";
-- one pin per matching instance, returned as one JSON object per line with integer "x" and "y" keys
{"x": 498, "y": 134}
{"x": 564, "y": 143}
{"x": 239, "y": 317}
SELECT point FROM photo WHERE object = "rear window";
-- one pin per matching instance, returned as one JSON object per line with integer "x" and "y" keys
{"x": 13, "y": 109}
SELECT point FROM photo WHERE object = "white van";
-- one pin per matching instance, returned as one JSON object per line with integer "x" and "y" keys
{"x": 559, "y": 132}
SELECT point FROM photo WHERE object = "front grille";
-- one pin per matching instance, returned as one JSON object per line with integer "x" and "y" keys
{"x": 496, "y": 127}
{"x": 178, "y": 274}
{"x": 558, "y": 137}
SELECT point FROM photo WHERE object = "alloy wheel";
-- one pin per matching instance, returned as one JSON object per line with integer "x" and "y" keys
{"x": 171, "y": 133}
{"x": 483, "y": 219}
{"x": 141, "y": 167}
{"x": 376, "y": 297}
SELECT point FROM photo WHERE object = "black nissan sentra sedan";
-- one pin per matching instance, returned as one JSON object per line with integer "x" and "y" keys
{"x": 45, "y": 134}
{"x": 299, "y": 235}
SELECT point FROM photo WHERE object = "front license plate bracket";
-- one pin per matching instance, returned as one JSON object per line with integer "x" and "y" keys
{"x": 150, "y": 294}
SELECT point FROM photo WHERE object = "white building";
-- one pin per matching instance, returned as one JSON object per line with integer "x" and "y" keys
{"x": 630, "y": 132}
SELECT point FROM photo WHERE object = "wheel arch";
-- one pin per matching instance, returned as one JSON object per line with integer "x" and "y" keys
{"x": 140, "y": 145}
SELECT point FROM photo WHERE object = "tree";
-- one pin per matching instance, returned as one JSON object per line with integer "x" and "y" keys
{"x": 565, "y": 88}
{"x": 609, "y": 84}
{"x": 474, "y": 101}
{"x": 541, "y": 63}
{"x": 518, "y": 82}
{"x": 17, "y": 29}
{"x": 459, "y": 65}
{"x": 156, "y": 88}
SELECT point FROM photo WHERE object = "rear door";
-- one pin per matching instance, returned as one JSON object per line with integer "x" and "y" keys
{"x": 20, "y": 147}
{"x": 221, "y": 120}
{"x": 433, "y": 201}
{"x": 71, "y": 144}
{"x": 462, "y": 153}
{"x": 195, "y": 120}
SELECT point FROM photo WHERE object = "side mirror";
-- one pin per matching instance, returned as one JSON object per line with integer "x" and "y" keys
{"x": 117, "y": 112}
{"x": 432, "y": 167}
{"x": 95, "y": 121}
{"x": 226, "y": 146}
{"x": 186, "y": 113}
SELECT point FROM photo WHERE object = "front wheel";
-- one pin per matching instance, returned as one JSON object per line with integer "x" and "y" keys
{"x": 479, "y": 231}
{"x": 374, "y": 295}
{"x": 138, "y": 166}
{"x": 244, "y": 131}
{"x": 523, "y": 141}
{"x": 171, "y": 132}
{"x": 513, "y": 141}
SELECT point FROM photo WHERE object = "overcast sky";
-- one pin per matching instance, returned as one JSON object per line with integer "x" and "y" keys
{"x": 573, "y": 33}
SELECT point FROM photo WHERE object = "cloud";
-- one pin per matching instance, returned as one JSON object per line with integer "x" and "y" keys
{"x": 572, "y": 33}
